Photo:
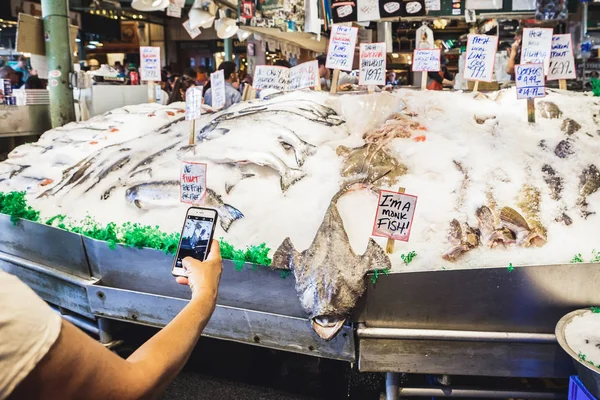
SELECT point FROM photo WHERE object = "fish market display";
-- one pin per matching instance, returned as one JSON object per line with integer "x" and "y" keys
{"x": 301, "y": 171}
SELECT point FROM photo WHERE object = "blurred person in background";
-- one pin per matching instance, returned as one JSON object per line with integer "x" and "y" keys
{"x": 43, "y": 356}
{"x": 232, "y": 95}
{"x": 437, "y": 80}
{"x": 7, "y": 72}
{"x": 33, "y": 82}
{"x": 202, "y": 76}
{"x": 23, "y": 68}
{"x": 514, "y": 56}
{"x": 391, "y": 78}
{"x": 120, "y": 68}
{"x": 325, "y": 74}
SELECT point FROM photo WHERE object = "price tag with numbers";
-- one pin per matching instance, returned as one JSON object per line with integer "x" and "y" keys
{"x": 562, "y": 61}
{"x": 530, "y": 81}
{"x": 372, "y": 64}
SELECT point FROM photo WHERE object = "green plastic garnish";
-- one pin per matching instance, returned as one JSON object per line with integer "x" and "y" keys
{"x": 577, "y": 259}
{"x": 595, "y": 86}
{"x": 595, "y": 310}
{"x": 284, "y": 273}
{"x": 408, "y": 257}
{"x": 595, "y": 256}
{"x": 510, "y": 268}
{"x": 377, "y": 273}
{"x": 15, "y": 205}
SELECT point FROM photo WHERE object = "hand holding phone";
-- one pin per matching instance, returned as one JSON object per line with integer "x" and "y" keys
{"x": 196, "y": 237}
{"x": 203, "y": 277}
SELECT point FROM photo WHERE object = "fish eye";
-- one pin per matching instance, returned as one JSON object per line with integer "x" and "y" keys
{"x": 286, "y": 146}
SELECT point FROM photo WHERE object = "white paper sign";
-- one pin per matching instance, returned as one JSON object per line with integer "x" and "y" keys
{"x": 367, "y": 10}
{"x": 537, "y": 43}
{"x": 178, "y": 3}
{"x": 341, "y": 47}
{"x": 426, "y": 60}
{"x": 150, "y": 63}
{"x": 481, "y": 57}
{"x": 394, "y": 218}
{"x": 174, "y": 11}
{"x": 372, "y": 64}
{"x": 192, "y": 182}
{"x": 433, "y": 5}
{"x": 530, "y": 81}
{"x": 193, "y": 103}
{"x": 562, "y": 61}
{"x": 271, "y": 77}
{"x": 305, "y": 75}
{"x": 217, "y": 89}
{"x": 194, "y": 33}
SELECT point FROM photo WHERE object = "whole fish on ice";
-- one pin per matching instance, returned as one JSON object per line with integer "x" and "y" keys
{"x": 160, "y": 194}
{"x": 329, "y": 275}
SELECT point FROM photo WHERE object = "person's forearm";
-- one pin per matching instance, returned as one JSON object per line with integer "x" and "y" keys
{"x": 510, "y": 67}
{"x": 162, "y": 357}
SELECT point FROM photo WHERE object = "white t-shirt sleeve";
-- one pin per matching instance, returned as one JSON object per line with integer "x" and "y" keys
{"x": 28, "y": 329}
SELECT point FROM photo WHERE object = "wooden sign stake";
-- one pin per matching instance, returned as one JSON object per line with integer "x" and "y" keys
{"x": 371, "y": 89}
{"x": 562, "y": 84}
{"x": 423, "y": 80}
{"x": 476, "y": 87}
{"x": 151, "y": 92}
{"x": 531, "y": 111}
{"x": 245, "y": 92}
{"x": 389, "y": 247}
{"x": 334, "y": 81}
{"x": 193, "y": 133}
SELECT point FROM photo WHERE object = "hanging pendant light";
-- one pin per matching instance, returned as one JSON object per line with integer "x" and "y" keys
{"x": 243, "y": 34}
{"x": 202, "y": 14}
{"x": 226, "y": 27}
{"x": 149, "y": 5}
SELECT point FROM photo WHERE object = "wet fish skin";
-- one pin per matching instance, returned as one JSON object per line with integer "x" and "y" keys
{"x": 153, "y": 156}
{"x": 117, "y": 165}
{"x": 239, "y": 156}
{"x": 166, "y": 194}
{"x": 153, "y": 194}
{"x": 227, "y": 213}
{"x": 589, "y": 183}
{"x": 547, "y": 109}
{"x": 329, "y": 275}
{"x": 554, "y": 182}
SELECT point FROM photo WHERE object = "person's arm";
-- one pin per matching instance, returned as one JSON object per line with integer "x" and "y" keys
{"x": 237, "y": 97}
{"x": 79, "y": 367}
{"x": 448, "y": 78}
{"x": 512, "y": 58}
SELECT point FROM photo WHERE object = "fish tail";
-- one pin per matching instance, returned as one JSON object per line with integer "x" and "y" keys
{"x": 229, "y": 214}
{"x": 290, "y": 177}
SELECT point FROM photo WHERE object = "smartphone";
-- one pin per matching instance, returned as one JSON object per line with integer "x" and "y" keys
{"x": 196, "y": 237}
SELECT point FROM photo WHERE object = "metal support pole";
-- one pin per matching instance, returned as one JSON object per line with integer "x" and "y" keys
{"x": 58, "y": 52}
{"x": 228, "y": 49}
{"x": 392, "y": 384}
{"x": 105, "y": 331}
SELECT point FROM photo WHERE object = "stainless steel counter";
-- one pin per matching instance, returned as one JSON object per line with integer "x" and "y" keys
{"x": 24, "y": 120}
{"x": 466, "y": 322}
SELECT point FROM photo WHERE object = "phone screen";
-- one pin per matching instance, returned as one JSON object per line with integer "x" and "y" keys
{"x": 195, "y": 239}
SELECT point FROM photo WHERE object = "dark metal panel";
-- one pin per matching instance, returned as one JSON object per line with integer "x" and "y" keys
{"x": 528, "y": 299}
{"x": 464, "y": 358}
{"x": 48, "y": 246}
{"x": 53, "y": 286}
{"x": 251, "y": 327}
{"x": 149, "y": 271}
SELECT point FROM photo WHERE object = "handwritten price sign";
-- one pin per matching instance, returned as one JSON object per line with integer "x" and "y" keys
{"x": 530, "y": 81}
{"x": 537, "y": 43}
{"x": 394, "y": 217}
{"x": 271, "y": 77}
{"x": 150, "y": 63}
{"x": 341, "y": 47}
{"x": 192, "y": 182}
{"x": 427, "y": 60}
{"x": 217, "y": 84}
{"x": 304, "y": 75}
{"x": 193, "y": 103}
{"x": 562, "y": 61}
{"x": 481, "y": 56}
{"x": 372, "y": 64}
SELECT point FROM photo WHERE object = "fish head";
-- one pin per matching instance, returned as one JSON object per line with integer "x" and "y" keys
{"x": 327, "y": 327}
{"x": 131, "y": 194}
